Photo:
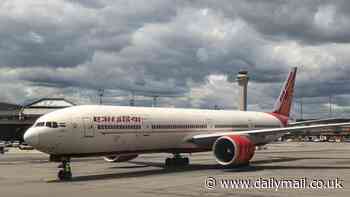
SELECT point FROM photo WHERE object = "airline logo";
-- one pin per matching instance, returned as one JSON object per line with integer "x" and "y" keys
{"x": 284, "y": 101}
{"x": 117, "y": 119}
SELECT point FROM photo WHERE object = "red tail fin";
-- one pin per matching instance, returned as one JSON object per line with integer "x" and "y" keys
{"x": 284, "y": 101}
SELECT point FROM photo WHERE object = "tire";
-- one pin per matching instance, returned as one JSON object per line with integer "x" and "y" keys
{"x": 186, "y": 161}
{"x": 68, "y": 175}
{"x": 64, "y": 176}
{"x": 60, "y": 175}
{"x": 168, "y": 162}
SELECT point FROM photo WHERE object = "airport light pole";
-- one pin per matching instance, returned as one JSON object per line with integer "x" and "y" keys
{"x": 301, "y": 108}
{"x": 330, "y": 106}
{"x": 100, "y": 94}
{"x": 154, "y": 102}
{"x": 132, "y": 99}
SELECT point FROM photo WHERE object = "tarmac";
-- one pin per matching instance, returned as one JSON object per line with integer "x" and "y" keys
{"x": 28, "y": 173}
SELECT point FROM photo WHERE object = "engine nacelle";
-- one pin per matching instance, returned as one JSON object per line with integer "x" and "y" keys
{"x": 119, "y": 158}
{"x": 233, "y": 150}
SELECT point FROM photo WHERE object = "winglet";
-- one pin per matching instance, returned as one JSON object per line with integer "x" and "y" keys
{"x": 284, "y": 101}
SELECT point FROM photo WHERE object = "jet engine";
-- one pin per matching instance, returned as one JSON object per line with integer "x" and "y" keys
{"x": 233, "y": 150}
{"x": 119, "y": 158}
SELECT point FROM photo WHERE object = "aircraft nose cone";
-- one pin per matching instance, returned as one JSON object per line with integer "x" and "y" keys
{"x": 31, "y": 137}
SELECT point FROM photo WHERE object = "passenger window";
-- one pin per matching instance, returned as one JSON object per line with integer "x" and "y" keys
{"x": 54, "y": 125}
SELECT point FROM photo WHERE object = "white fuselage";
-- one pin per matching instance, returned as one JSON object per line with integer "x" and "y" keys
{"x": 103, "y": 130}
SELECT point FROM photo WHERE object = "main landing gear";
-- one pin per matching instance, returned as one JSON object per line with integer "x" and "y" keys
{"x": 177, "y": 161}
{"x": 65, "y": 174}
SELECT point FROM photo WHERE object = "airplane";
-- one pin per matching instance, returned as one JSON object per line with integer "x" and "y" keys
{"x": 121, "y": 133}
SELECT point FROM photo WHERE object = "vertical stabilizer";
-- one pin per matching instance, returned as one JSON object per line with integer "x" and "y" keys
{"x": 284, "y": 101}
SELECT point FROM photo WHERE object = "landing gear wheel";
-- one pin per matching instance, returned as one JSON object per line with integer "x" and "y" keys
{"x": 168, "y": 162}
{"x": 65, "y": 174}
{"x": 186, "y": 161}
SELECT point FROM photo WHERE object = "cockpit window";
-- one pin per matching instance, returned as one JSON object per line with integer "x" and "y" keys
{"x": 40, "y": 124}
{"x": 54, "y": 125}
{"x": 49, "y": 124}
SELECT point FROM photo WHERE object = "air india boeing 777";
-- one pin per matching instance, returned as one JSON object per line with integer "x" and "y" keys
{"x": 122, "y": 133}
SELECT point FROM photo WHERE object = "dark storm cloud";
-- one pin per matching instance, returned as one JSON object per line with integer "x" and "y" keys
{"x": 65, "y": 34}
{"x": 90, "y": 78}
{"x": 42, "y": 35}
{"x": 97, "y": 4}
{"x": 308, "y": 21}
{"x": 174, "y": 48}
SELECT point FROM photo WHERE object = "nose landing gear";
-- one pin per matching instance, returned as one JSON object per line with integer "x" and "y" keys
{"x": 65, "y": 174}
{"x": 177, "y": 161}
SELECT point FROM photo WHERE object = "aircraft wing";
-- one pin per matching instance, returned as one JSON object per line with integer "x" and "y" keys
{"x": 211, "y": 137}
{"x": 318, "y": 121}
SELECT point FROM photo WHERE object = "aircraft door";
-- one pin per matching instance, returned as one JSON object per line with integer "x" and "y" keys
{"x": 144, "y": 136}
{"x": 210, "y": 124}
{"x": 88, "y": 127}
{"x": 251, "y": 123}
{"x": 146, "y": 126}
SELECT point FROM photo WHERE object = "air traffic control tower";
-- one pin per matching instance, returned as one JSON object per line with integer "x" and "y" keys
{"x": 242, "y": 79}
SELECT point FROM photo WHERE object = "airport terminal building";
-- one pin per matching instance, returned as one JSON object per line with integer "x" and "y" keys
{"x": 16, "y": 119}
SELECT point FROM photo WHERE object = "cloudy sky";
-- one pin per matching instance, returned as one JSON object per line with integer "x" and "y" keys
{"x": 72, "y": 48}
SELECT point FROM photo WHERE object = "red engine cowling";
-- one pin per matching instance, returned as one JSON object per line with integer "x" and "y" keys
{"x": 119, "y": 158}
{"x": 233, "y": 150}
